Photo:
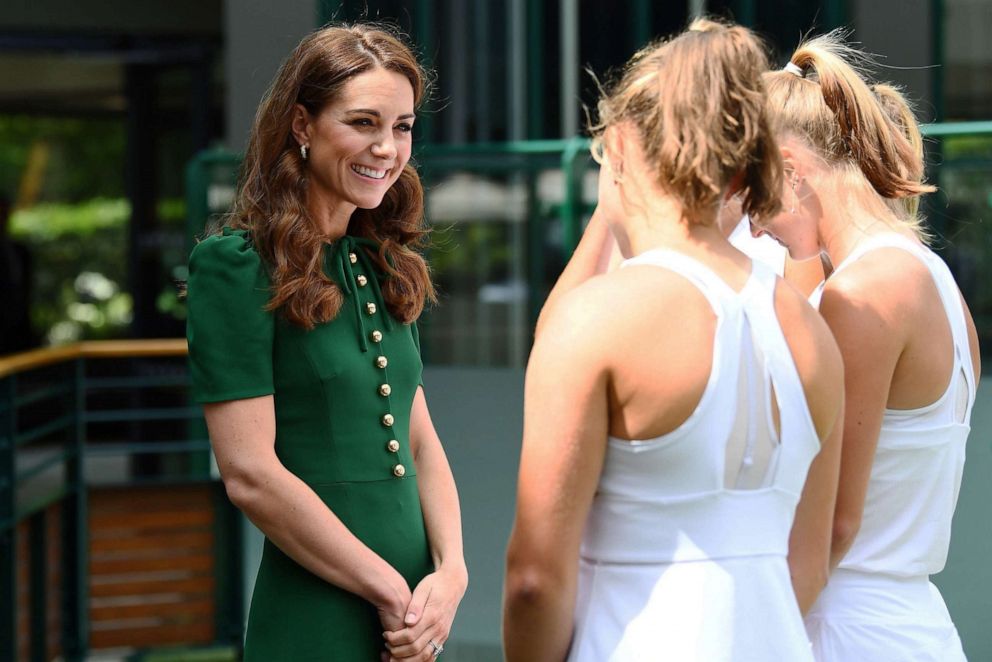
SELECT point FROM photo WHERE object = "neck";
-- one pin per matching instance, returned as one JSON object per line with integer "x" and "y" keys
{"x": 330, "y": 215}
{"x": 843, "y": 226}
{"x": 659, "y": 223}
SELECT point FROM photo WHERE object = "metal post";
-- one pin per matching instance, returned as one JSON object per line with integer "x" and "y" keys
{"x": 8, "y": 522}
{"x": 481, "y": 102}
{"x": 569, "y": 99}
{"x": 38, "y": 556}
{"x": 641, "y": 17}
{"x": 938, "y": 57}
{"x": 423, "y": 34}
{"x": 75, "y": 536}
{"x": 747, "y": 12}
{"x": 535, "y": 74}
{"x": 834, "y": 13}
{"x": 517, "y": 80}
{"x": 571, "y": 213}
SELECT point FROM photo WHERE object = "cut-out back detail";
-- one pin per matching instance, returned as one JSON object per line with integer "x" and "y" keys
{"x": 687, "y": 535}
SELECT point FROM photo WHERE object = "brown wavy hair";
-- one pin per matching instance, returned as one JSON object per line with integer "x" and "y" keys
{"x": 272, "y": 194}
{"x": 698, "y": 102}
{"x": 829, "y": 105}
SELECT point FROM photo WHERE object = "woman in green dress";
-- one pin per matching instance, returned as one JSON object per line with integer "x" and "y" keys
{"x": 304, "y": 351}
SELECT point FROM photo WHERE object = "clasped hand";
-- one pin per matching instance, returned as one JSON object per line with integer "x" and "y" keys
{"x": 428, "y": 618}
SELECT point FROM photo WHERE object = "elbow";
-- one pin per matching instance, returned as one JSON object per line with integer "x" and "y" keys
{"x": 529, "y": 585}
{"x": 244, "y": 489}
{"x": 845, "y": 529}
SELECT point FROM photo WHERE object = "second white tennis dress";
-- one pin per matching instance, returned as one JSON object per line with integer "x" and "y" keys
{"x": 684, "y": 551}
{"x": 879, "y": 604}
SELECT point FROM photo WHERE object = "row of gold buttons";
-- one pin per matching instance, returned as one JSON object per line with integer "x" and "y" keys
{"x": 381, "y": 362}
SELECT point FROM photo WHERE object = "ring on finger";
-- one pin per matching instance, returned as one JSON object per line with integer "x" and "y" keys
{"x": 438, "y": 648}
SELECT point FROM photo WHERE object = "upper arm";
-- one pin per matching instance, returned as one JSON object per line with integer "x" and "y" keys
{"x": 820, "y": 366}
{"x": 565, "y": 429}
{"x": 242, "y": 435}
{"x": 422, "y": 432}
{"x": 870, "y": 341}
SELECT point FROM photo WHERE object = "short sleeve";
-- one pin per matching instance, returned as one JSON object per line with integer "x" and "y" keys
{"x": 415, "y": 332}
{"x": 229, "y": 332}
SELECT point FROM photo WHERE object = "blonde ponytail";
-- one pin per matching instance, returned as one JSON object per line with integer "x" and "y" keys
{"x": 899, "y": 110}
{"x": 832, "y": 108}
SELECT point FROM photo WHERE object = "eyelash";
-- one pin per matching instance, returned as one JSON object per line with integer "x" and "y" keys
{"x": 366, "y": 122}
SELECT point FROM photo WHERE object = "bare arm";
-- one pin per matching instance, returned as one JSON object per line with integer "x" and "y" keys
{"x": 870, "y": 341}
{"x": 435, "y": 599}
{"x": 596, "y": 254}
{"x": 565, "y": 425}
{"x": 812, "y": 530}
{"x": 821, "y": 369}
{"x": 289, "y": 513}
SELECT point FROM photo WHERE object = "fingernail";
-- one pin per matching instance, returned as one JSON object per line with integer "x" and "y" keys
{"x": 411, "y": 616}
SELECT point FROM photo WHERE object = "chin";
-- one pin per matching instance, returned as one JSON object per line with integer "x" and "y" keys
{"x": 369, "y": 202}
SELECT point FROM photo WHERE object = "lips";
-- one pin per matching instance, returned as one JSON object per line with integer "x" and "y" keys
{"x": 371, "y": 173}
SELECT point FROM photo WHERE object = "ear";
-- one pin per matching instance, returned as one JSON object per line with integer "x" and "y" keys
{"x": 612, "y": 149}
{"x": 302, "y": 124}
{"x": 796, "y": 167}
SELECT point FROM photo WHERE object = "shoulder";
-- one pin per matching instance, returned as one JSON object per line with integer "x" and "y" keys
{"x": 885, "y": 280}
{"x": 226, "y": 267}
{"x": 607, "y": 313}
{"x": 230, "y": 248}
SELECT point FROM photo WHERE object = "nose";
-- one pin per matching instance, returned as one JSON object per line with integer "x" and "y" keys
{"x": 385, "y": 147}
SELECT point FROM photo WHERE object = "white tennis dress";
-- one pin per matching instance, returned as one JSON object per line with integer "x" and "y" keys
{"x": 684, "y": 551}
{"x": 879, "y": 605}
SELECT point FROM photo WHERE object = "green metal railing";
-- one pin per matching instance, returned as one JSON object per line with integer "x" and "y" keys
{"x": 552, "y": 227}
{"x": 46, "y": 420}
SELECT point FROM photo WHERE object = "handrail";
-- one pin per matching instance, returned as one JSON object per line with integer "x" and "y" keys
{"x": 105, "y": 349}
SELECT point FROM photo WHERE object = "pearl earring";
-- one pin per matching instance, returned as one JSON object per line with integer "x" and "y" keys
{"x": 303, "y": 151}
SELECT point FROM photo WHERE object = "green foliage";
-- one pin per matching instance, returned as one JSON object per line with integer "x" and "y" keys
{"x": 80, "y": 259}
{"x": 85, "y": 156}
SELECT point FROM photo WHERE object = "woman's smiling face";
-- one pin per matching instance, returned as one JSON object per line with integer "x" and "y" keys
{"x": 359, "y": 143}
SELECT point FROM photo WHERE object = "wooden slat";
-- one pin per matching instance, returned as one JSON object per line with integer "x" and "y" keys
{"x": 23, "y": 592}
{"x": 193, "y": 585}
{"x": 198, "y": 563}
{"x": 53, "y": 619}
{"x": 165, "y": 610}
{"x": 138, "y": 521}
{"x": 194, "y": 540}
{"x": 147, "y": 637}
{"x": 143, "y": 498}
{"x": 152, "y": 566}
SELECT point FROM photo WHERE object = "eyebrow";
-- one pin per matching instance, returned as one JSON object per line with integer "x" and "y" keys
{"x": 376, "y": 113}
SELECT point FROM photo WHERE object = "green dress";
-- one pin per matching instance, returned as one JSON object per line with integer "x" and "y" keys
{"x": 343, "y": 393}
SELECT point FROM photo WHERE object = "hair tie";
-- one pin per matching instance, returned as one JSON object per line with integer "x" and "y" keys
{"x": 795, "y": 69}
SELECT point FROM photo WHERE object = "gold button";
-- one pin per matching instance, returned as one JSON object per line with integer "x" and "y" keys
{"x": 393, "y": 446}
{"x": 376, "y": 336}
{"x": 399, "y": 471}
{"x": 387, "y": 420}
{"x": 381, "y": 362}
{"x": 385, "y": 390}
{"x": 370, "y": 308}
{"x": 362, "y": 280}
{"x": 353, "y": 258}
